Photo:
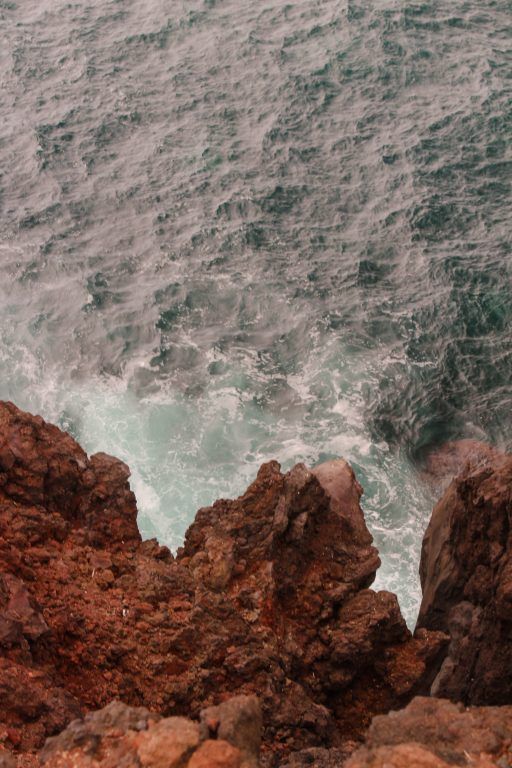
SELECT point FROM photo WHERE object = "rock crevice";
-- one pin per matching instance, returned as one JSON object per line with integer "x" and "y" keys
{"x": 269, "y": 595}
{"x": 269, "y": 601}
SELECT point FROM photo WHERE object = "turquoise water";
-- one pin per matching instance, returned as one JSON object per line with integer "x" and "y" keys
{"x": 236, "y": 231}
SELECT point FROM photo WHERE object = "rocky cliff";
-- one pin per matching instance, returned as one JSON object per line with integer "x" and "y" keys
{"x": 270, "y": 595}
{"x": 114, "y": 652}
{"x": 466, "y": 574}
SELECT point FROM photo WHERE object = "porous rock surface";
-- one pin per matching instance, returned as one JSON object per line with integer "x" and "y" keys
{"x": 132, "y": 737}
{"x": 466, "y": 575}
{"x": 269, "y": 595}
{"x": 436, "y": 733}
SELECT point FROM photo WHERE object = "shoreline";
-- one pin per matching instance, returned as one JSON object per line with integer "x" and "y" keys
{"x": 269, "y": 597}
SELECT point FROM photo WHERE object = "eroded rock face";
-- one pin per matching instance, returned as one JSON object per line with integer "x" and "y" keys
{"x": 435, "y": 733}
{"x": 269, "y": 596}
{"x": 466, "y": 574}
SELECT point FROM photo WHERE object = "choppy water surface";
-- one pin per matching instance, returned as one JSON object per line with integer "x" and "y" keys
{"x": 232, "y": 231}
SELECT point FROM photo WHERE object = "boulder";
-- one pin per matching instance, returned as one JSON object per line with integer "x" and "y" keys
{"x": 434, "y": 733}
{"x": 132, "y": 737}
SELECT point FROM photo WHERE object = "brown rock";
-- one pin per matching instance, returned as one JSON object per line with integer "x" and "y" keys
{"x": 168, "y": 743}
{"x": 31, "y": 705}
{"x": 216, "y": 754}
{"x": 404, "y": 756}
{"x": 237, "y": 721}
{"x": 435, "y": 733}
{"x": 308, "y": 560}
{"x": 319, "y": 757}
{"x": 19, "y": 608}
{"x": 90, "y": 734}
{"x": 401, "y": 756}
{"x": 269, "y": 596}
{"x": 466, "y": 575}
{"x": 7, "y": 760}
{"x": 130, "y": 737}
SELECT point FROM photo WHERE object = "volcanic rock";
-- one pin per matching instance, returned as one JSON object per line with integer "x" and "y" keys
{"x": 435, "y": 733}
{"x": 466, "y": 575}
{"x": 269, "y": 596}
{"x": 132, "y": 737}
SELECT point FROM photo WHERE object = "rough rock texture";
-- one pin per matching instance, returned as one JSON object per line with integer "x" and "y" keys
{"x": 269, "y": 595}
{"x": 434, "y": 733}
{"x": 131, "y": 737}
{"x": 320, "y": 757}
{"x": 466, "y": 575}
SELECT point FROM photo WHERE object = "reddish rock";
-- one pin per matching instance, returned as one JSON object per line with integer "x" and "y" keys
{"x": 434, "y": 733}
{"x": 7, "y": 760}
{"x": 132, "y": 737}
{"x": 237, "y": 721}
{"x": 466, "y": 575}
{"x": 320, "y": 757}
{"x": 412, "y": 754}
{"x": 269, "y": 596}
{"x": 296, "y": 559}
{"x": 168, "y": 744}
{"x": 216, "y": 754}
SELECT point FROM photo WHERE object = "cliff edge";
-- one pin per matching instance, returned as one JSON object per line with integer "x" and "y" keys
{"x": 269, "y": 596}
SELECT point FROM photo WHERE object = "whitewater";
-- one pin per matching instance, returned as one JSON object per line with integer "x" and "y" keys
{"x": 235, "y": 231}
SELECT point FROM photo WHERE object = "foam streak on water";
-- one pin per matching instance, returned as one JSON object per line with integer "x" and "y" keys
{"x": 234, "y": 231}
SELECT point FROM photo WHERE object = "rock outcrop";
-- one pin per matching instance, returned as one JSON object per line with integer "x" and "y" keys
{"x": 428, "y": 733}
{"x": 435, "y": 733}
{"x": 269, "y": 596}
{"x": 466, "y": 575}
{"x": 132, "y": 737}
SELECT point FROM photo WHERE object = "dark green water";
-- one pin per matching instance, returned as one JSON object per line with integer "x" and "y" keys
{"x": 234, "y": 231}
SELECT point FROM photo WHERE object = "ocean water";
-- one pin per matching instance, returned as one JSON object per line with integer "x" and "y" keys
{"x": 232, "y": 231}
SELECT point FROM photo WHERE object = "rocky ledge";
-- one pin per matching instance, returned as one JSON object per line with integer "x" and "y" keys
{"x": 466, "y": 575}
{"x": 269, "y": 597}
